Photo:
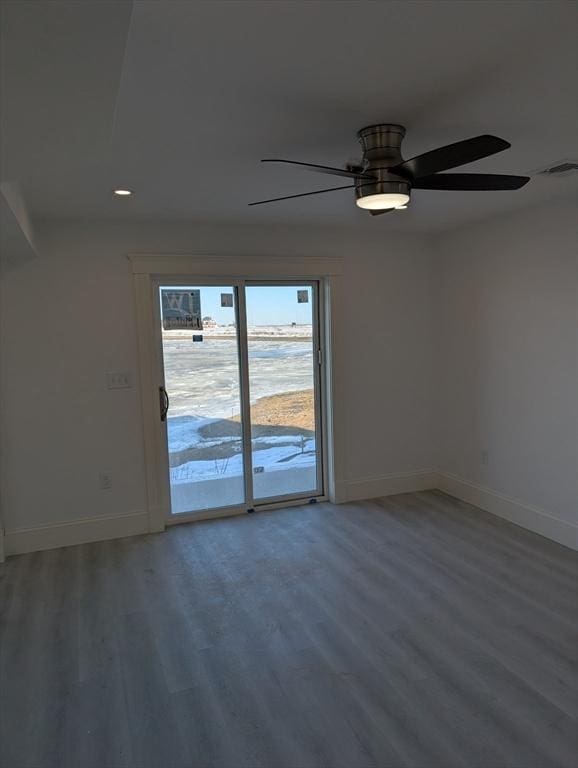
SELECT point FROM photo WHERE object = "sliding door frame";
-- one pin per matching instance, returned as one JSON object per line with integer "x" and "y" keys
{"x": 238, "y": 287}
{"x": 318, "y": 366}
{"x": 244, "y": 390}
{"x": 150, "y": 271}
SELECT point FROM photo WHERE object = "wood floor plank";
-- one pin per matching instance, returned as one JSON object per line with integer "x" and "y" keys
{"x": 414, "y": 631}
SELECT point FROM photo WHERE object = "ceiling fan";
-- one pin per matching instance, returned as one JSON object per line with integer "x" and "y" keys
{"x": 384, "y": 180}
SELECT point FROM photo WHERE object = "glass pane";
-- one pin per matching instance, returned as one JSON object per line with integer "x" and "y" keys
{"x": 201, "y": 364}
{"x": 282, "y": 391}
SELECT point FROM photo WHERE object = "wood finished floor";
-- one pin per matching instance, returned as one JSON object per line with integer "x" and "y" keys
{"x": 408, "y": 631}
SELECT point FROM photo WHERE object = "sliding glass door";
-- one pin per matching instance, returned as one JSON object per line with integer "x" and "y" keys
{"x": 201, "y": 397}
{"x": 283, "y": 372}
{"x": 239, "y": 396}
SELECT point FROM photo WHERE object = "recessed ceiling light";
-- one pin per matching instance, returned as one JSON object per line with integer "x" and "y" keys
{"x": 122, "y": 192}
{"x": 401, "y": 207}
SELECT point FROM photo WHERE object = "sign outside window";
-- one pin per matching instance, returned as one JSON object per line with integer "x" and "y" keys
{"x": 181, "y": 310}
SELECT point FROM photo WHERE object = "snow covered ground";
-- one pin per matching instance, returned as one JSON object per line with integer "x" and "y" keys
{"x": 202, "y": 380}
{"x": 288, "y": 455}
{"x": 274, "y": 331}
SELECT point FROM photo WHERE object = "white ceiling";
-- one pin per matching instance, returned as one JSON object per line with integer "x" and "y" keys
{"x": 180, "y": 100}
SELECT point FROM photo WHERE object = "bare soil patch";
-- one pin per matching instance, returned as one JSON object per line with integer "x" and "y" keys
{"x": 289, "y": 413}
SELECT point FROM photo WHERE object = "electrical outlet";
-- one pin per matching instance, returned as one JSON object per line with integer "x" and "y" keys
{"x": 105, "y": 481}
{"x": 485, "y": 457}
{"x": 118, "y": 379}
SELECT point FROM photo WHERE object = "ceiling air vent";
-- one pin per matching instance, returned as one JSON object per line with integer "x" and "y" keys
{"x": 559, "y": 169}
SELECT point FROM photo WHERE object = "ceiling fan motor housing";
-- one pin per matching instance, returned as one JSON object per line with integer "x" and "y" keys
{"x": 381, "y": 146}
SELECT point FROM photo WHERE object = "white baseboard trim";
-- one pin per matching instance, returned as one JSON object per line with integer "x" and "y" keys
{"x": 68, "y": 533}
{"x": 388, "y": 485}
{"x": 520, "y": 513}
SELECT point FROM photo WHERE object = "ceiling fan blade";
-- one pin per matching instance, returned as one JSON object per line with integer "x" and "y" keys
{"x": 323, "y": 169}
{"x": 470, "y": 181}
{"x": 303, "y": 194}
{"x": 451, "y": 156}
{"x": 383, "y": 210}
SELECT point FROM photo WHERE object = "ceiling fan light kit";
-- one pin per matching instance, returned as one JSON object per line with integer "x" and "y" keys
{"x": 391, "y": 195}
{"x": 383, "y": 182}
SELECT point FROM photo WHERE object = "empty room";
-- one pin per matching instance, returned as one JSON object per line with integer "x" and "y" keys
{"x": 288, "y": 384}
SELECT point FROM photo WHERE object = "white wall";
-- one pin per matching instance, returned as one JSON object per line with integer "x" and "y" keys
{"x": 17, "y": 242}
{"x": 469, "y": 346}
{"x": 68, "y": 316}
{"x": 507, "y": 364}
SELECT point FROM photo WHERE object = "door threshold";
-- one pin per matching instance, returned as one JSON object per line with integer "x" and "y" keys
{"x": 198, "y": 517}
{"x": 300, "y": 502}
{"x": 194, "y": 517}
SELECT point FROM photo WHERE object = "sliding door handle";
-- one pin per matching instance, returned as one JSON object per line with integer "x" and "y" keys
{"x": 163, "y": 403}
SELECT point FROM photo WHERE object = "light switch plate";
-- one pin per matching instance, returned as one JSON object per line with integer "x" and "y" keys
{"x": 118, "y": 379}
